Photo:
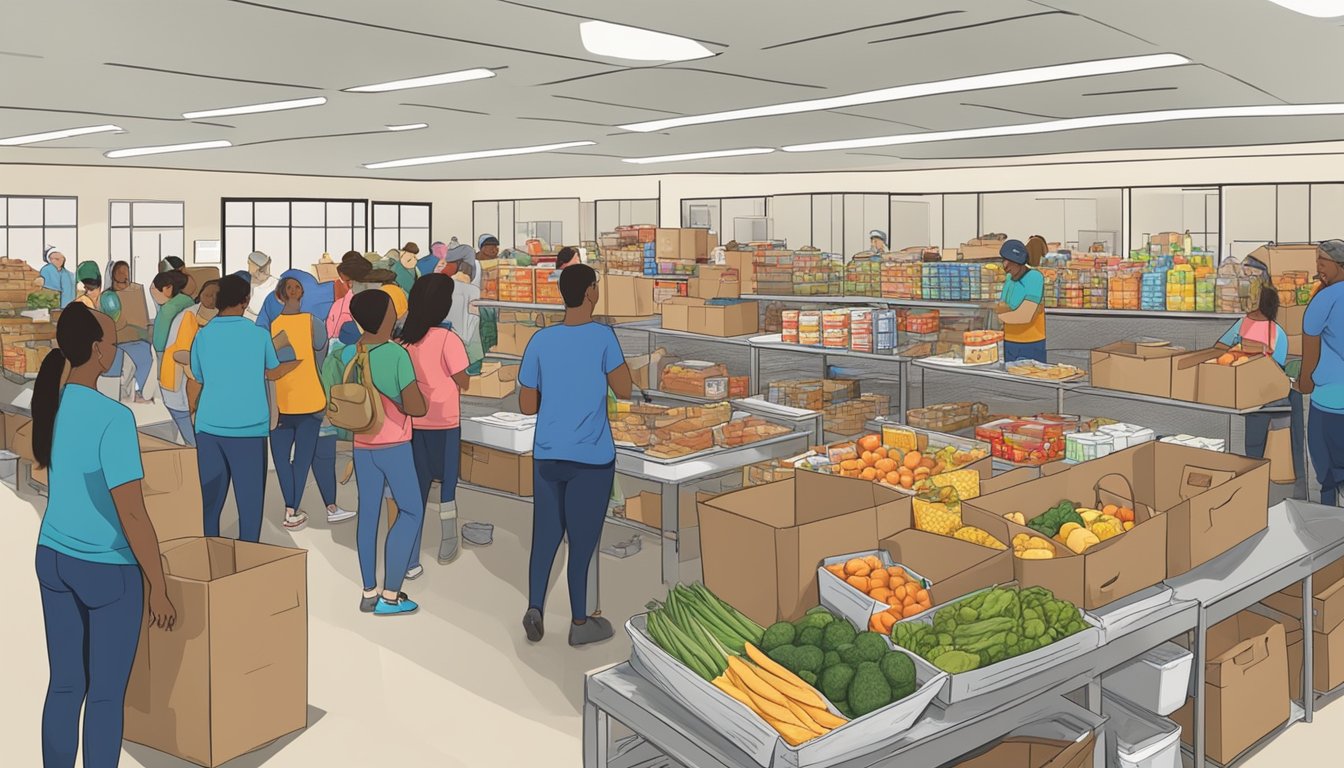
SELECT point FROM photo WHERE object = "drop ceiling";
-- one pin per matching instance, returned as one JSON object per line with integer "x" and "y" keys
{"x": 141, "y": 64}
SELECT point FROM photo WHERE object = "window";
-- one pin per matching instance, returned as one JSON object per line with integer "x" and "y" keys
{"x": 29, "y": 224}
{"x": 395, "y": 224}
{"x": 294, "y": 233}
{"x": 1161, "y": 215}
{"x": 143, "y": 232}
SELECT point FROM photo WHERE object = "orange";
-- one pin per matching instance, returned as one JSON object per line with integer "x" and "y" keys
{"x": 837, "y": 569}
{"x": 893, "y": 478}
{"x": 857, "y": 567}
{"x": 879, "y": 576}
{"x": 895, "y": 612}
{"x": 880, "y": 594}
{"x": 895, "y": 602}
{"x": 870, "y": 442}
{"x": 912, "y": 459}
{"x": 908, "y": 601}
{"x": 858, "y": 582}
{"x": 922, "y": 596}
{"x": 897, "y": 570}
{"x": 873, "y": 562}
{"x": 927, "y": 462}
{"x": 1111, "y": 510}
{"x": 849, "y": 465}
{"x": 885, "y": 466}
{"x": 898, "y": 592}
{"x": 907, "y": 481}
{"x": 868, "y": 473}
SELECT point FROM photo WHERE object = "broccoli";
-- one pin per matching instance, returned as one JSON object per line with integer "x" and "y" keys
{"x": 836, "y": 634}
{"x": 782, "y": 633}
{"x": 810, "y": 636}
{"x": 870, "y": 690}
{"x": 843, "y": 706}
{"x": 850, "y": 654}
{"x": 786, "y": 656}
{"x": 817, "y": 617}
{"x": 835, "y": 683}
{"x": 830, "y": 659}
{"x": 900, "y": 673}
{"x": 808, "y": 658}
{"x": 808, "y": 677}
{"x": 870, "y": 646}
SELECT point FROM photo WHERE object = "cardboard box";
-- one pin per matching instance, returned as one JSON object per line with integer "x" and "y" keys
{"x": 722, "y": 320}
{"x": 172, "y": 488}
{"x": 625, "y": 296}
{"x": 1295, "y": 345}
{"x": 1257, "y": 382}
{"x": 1327, "y": 611}
{"x": 712, "y": 282}
{"x": 745, "y": 264}
{"x": 495, "y": 469}
{"x": 1291, "y": 319}
{"x": 1246, "y": 686}
{"x": 1034, "y": 752}
{"x": 512, "y": 338}
{"x": 1327, "y": 671}
{"x": 1131, "y": 367}
{"x": 233, "y": 674}
{"x": 956, "y": 568}
{"x": 495, "y": 380}
{"x": 760, "y": 546}
{"x": 647, "y": 508}
{"x": 326, "y": 273}
{"x": 681, "y": 244}
{"x": 646, "y": 368}
{"x": 1287, "y": 257}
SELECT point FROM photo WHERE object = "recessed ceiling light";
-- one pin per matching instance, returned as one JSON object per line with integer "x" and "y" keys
{"x": 621, "y": 42}
{"x": 476, "y": 155}
{"x": 34, "y": 138}
{"x": 138, "y": 151}
{"x": 698, "y": 155}
{"x": 898, "y": 93}
{"x": 273, "y": 106}
{"x": 1076, "y": 123}
{"x": 421, "y": 82}
{"x": 408, "y": 127}
{"x": 1321, "y": 9}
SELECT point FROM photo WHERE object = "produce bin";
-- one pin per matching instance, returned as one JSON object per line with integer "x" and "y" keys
{"x": 849, "y": 603}
{"x": 1158, "y": 681}
{"x": 1138, "y": 739}
{"x": 749, "y": 733}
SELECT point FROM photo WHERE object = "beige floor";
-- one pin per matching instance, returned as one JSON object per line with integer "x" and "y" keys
{"x": 457, "y": 683}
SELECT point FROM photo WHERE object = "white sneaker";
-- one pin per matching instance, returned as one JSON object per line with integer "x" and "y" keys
{"x": 415, "y": 572}
{"x": 338, "y": 515}
{"x": 294, "y": 520}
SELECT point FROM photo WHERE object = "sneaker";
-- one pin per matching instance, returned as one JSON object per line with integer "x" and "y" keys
{"x": 450, "y": 545}
{"x": 367, "y": 604}
{"x": 338, "y": 515}
{"x": 295, "y": 520}
{"x": 594, "y": 630}
{"x": 404, "y": 606}
{"x": 533, "y": 625}
{"x": 415, "y": 572}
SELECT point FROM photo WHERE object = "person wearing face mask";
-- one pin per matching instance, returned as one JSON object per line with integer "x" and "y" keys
{"x": 263, "y": 284}
{"x": 133, "y": 335}
{"x": 1322, "y": 375}
{"x": 179, "y": 390}
{"x": 54, "y": 275}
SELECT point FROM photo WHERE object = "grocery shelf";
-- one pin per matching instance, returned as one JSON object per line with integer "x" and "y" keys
{"x": 634, "y": 525}
{"x": 772, "y": 341}
{"x": 654, "y": 326}
{"x": 998, "y": 373}
{"x": 658, "y": 394}
{"x": 1160, "y": 314}
{"x": 520, "y": 306}
{"x": 914, "y": 303}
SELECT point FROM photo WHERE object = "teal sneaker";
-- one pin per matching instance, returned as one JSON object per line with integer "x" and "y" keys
{"x": 404, "y": 606}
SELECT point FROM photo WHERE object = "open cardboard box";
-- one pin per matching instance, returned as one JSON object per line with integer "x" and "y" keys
{"x": 1327, "y": 587}
{"x": 625, "y": 296}
{"x": 1327, "y": 669}
{"x": 495, "y": 381}
{"x": 1287, "y": 257}
{"x": 1131, "y": 367}
{"x": 1259, "y": 381}
{"x": 698, "y": 316}
{"x": 954, "y": 568}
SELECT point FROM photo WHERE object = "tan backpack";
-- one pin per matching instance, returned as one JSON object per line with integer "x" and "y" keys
{"x": 356, "y": 406}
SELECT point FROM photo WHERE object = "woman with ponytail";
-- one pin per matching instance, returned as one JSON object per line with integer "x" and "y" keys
{"x": 97, "y": 549}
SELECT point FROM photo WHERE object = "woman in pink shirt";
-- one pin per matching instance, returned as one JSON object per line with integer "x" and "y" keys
{"x": 440, "y": 360}
{"x": 352, "y": 269}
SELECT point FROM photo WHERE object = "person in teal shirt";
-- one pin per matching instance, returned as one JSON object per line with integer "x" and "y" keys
{"x": 55, "y": 277}
{"x": 96, "y": 549}
{"x": 1322, "y": 374}
{"x": 169, "y": 294}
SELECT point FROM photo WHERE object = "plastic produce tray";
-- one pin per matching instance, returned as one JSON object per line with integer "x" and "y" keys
{"x": 840, "y": 598}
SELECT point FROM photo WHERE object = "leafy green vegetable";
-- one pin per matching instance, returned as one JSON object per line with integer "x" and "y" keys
{"x": 781, "y": 633}
{"x": 810, "y": 636}
{"x": 836, "y": 634}
{"x": 956, "y": 662}
{"x": 900, "y": 673}
{"x": 809, "y": 658}
{"x": 870, "y": 646}
{"x": 870, "y": 690}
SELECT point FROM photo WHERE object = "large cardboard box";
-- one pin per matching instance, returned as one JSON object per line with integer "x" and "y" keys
{"x": 681, "y": 244}
{"x": 1131, "y": 367}
{"x": 1034, "y": 752}
{"x": 1245, "y": 689}
{"x": 1257, "y": 382}
{"x": 956, "y": 568}
{"x": 495, "y": 469}
{"x": 647, "y": 508}
{"x": 1291, "y": 319}
{"x": 1327, "y": 587}
{"x": 711, "y": 282}
{"x": 232, "y": 676}
{"x": 512, "y": 338}
{"x": 745, "y": 264}
{"x": 760, "y": 546}
{"x": 495, "y": 380}
{"x": 625, "y": 296}
{"x": 723, "y": 320}
{"x": 1287, "y": 257}
{"x": 646, "y": 368}
{"x": 1327, "y": 670}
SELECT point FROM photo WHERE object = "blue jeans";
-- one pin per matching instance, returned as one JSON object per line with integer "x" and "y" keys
{"x": 1325, "y": 441}
{"x": 438, "y": 456}
{"x": 1257, "y": 432}
{"x": 569, "y": 501}
{"x": 1014, "y": 351}
{"x": 242, "y": 462}
{"x": 293, "y": 449}
{"x": 182, "y": 420}
{"x": 92, "y": 613}
{"x": 142, "y": 357}
{"x": 392, "y": 467}
{"x": 324, "y": 468}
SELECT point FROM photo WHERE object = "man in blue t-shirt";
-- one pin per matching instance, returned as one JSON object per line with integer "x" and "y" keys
{"x": 564, "y": 376}
{"x": 1322, "y": 375}
{"x": 233, "y": 358}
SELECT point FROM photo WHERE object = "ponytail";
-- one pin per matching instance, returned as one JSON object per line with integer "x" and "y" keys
{"x": 76, "y": 332}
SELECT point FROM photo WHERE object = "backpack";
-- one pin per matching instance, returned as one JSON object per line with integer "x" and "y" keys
{"x": 356, "y": 407}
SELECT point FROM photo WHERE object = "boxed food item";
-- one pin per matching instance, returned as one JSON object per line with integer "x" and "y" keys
{"x": 766, "y": 472}
{"x": 1127, "y": 435}
{"x": 625, "y": 296}
{"x": 1128, "y": 366}
{"x": 495, "y": 381}
{"x": 682, "y": 244}
{"x": 1246, "y": 686}
{"x": 835, "y": 328}
{"x": 809, "y": 327}
{"x": 947, "y": 417}
{"x": 789, "y": 326}
{"x": 1031, "y": 442}
{"x": 695, "y": 378}
{"x": 861, "y": 331}
{"x": 1202, "y": 443}
{"x": 980, "y": 347}
{"x": 714, "y": 282}
{"x": 195, "y": 693}
{"x": 495, "y": 469}
{"x": 717, "y": 317}
{"x": 752, "y": 429}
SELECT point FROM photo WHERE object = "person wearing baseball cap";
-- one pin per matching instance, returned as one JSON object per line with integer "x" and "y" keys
{"x": 1021, "y": 307}
{"x": 878, "y": 239}
{"x": 1322, "y": 375}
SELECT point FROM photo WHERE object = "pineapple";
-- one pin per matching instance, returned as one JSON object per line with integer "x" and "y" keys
{"x": 965, "y": 481}
{"x": 937, "y": 517}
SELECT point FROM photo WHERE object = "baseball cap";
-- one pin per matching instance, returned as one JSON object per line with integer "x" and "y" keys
{"x": 486, "y": 240}
{"x": 1334, "y": 249}
{"x": 1014, "y": 251}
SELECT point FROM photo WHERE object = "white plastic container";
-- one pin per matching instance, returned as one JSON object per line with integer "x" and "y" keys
{"x": 1086, "y": 446}
{"x": 1158, "y": 680}
{"x": 1128, "y": 435}
{"x": 1138, "y": 739}
{"x": 512, "y": 432}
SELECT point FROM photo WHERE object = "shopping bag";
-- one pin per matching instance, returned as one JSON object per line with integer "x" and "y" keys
{"x": 1279, "y": 451}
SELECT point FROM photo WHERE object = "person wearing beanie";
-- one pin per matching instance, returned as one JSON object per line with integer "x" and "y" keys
{"x": 54, "y": 275}
{"x": 263, "y": 283}
{"x": 878, "y": 240}
{"x": 90, "y": 280}
{"x": 1021, "y": 306}
{"x": 1322, "y": 375}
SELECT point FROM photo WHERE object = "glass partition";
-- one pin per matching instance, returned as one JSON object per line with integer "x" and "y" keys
{"x": 1159, "y": 216}
{"x": 1079, "y": 220}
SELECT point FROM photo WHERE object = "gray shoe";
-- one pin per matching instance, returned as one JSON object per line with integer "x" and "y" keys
{"x": 367, "y": 604}
{"x": 450, "y": 545}
{"x": 480, "y": 534}
{"x": 594, "y": 630}
{"x": 533, "y": 625}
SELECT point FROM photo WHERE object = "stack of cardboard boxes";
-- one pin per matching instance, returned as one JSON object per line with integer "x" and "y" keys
{"x": 1280, "y": 259}
{"x": 713, "y": 306}
{"x": 1327, "y": 616}
{"x": 24, "y": 341}
{"x": 1197, "y": 377}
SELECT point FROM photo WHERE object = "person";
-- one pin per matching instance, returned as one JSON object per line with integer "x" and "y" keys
{"x": 1322, "y": 375}
{"x": 565, "y": 374}
{"x": 175, "y": 383}
{"x": 169, "y": 291}
{"x": 317, "y": 298}
{"x": 90, "y": 285}
{"x": 54, "y": 275}
{"x": 97, "y": 551}
{"x": 331, "y": 371}
{"x": 1021, "y": 306}
{"x": 464, "y": 315}
{"x": 878, "y": 241}
{"x": 397, "y": 264}
{"x": 384, "y": 458}
{"x": 1037, "y": 248}
{"x": 133, "y": 335}
{"x": 354, "y": 268}
{"x": 174, "y": 264}
{"x": 233, "y": 358}
{"x": 259, "y": 272}
{"x": 440, "y": 360}
{"x": 487, "y": 249}
{"x": 300, "y": 399}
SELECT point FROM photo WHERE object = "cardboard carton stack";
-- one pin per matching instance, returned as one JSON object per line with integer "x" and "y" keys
{"x": 850, "y": 417}
{"x": 812, "y": 394}
{"x": 624, "y": 295}
{"x": 495, "y": 381}
{"x": 26, "y": 342}
{"x": 711, "y": 317}
{"x": 17, "y": 280}
{"x": 697, "y": 378}
{"x": 712, "y": 282}
{"x": 676, "y": 251}
{"x": 1283, "y": 259}
{"x": 1198, "y": 377}
{"x": 1327, "y": 617}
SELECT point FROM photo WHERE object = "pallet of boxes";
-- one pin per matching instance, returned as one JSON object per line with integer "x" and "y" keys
{"x": 713, "y": 305}
{"x": 28, "y": 317}
{"x": 1291, "y": 267}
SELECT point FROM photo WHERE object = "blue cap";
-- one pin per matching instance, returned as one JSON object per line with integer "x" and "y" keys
{"x": 350, "y": 333}
{"x": 1014, "y": 251}
{"x": 485, "y": 240}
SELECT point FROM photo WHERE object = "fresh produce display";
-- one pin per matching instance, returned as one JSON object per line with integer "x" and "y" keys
{"x": 938, "y": 511}
{"x": 987, "y": 628}
{"x": 44, "y": 300}
{"x": 1234, "y": 357}
{"x": 856, "y": 671}
{"x": 1076, "y": 527}
{"x": 698, "y": 629}
{"x": 785, "y": 701}
{"x": 904, "y": 468}
{"x": 903, "y": 594}
{"x": 1029, "y": 547}
{"x": 978, "y": 536}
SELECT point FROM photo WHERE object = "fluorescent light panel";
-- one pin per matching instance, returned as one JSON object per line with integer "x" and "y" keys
{"x": 633, "y": 44}
{"x": 476, "y": 155}
{"x": 899, "y": 93}
{"x": 461, "y": 76}
{"x": 1321, "y": 9}
{"x": 1077, "y": 123}
{"x": 139, "y": 151}
{"x": 66, "y": 133}
{"x": 273, "y": 106}
{"x": 698, "y": 155}
{"x": 408, "y": 127}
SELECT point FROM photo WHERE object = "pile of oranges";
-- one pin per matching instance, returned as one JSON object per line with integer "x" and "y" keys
{"x": 889, "y": 465}
{"x": 903, "y": 595}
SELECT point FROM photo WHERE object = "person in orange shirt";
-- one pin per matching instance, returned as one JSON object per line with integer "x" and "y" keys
{"x": 1021, "y": 308}
{"x": 300, "y": 398}
{"x": 175, "y": 382}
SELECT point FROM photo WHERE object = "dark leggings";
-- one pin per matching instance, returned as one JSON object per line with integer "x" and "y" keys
{"x": 569, "y": 501}
{"x": 92, "y": 613}
{"x": 242, "y": 462}
{"x": 324, "y": 469}
{"x": 1325, "y": 441}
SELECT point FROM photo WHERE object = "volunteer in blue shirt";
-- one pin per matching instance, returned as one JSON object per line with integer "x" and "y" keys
{"x": 55, "y": 277}
{"x": 1322, "y": 374}
{"x": 233, "y": 358}
{"x": 565, "y": 374}
{"x": 96, "y": 550}
{"x": 1021, "y": 307}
